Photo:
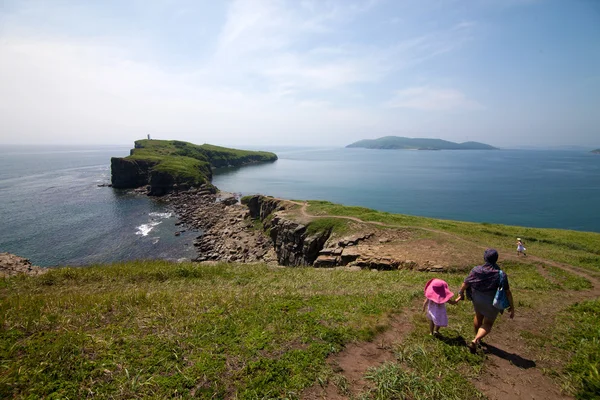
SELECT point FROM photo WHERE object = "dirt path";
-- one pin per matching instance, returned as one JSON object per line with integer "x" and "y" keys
{"x": 352, "y": 363}
{"x": 511, "y": 370}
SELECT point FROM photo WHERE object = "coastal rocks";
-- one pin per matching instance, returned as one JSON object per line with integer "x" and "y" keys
{"x": 11, "y": 265}
{"x": 229, "y": 200}
{"x": 228, "y": 233}
{"x": 271, "y": 230}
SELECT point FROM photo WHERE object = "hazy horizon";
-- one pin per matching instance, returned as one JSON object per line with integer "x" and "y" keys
{"x": 509, "y": 73}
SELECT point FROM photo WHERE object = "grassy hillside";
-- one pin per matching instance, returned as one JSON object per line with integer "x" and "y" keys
{"x": 396, "y": 142}
{"x": 216, "y": 156}
{"x": 162, "y": 330}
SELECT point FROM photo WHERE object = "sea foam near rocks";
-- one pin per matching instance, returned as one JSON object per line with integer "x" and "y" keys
{"x": 145, "y": 229}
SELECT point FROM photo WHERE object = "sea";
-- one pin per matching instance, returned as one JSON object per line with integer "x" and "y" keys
{"x": 56, "y": 210}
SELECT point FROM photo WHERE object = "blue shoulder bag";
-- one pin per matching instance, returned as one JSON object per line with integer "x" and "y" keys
{"x": 501, "y": 299}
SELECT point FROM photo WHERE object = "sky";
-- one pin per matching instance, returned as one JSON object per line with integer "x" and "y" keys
{"x": 300, "y": 72}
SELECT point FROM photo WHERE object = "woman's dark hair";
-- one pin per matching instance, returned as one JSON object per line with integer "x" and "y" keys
{"x": 490, "y": 256}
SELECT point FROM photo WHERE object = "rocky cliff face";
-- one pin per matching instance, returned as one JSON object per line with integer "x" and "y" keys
{"x": 293, "y": 245}
{"x": 127, "y": 174}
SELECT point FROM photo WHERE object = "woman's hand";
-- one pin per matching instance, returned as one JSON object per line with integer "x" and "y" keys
{"x": 511, "y": 310}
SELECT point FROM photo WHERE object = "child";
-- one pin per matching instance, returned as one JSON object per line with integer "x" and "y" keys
{"x": 520, "y": 248}
{"x": 437, "y": 295}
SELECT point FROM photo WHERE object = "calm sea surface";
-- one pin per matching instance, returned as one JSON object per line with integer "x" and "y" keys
{"x": 53, "y": 212}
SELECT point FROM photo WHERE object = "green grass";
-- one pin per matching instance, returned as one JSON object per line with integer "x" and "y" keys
{"x": 159, "y": 329}
{"x": 577, "y": 332}
{"x": 428, "y": 367}
{"x": 184, "y": 170}
{"x": 572, "y": 247}
{"x": 568, "y": 280}
{"x": 154, "y": 329}
{"x": 336, "y": 225}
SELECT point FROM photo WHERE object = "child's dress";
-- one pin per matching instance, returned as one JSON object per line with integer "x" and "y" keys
{"x": 520, "y": 247}
{"x": 437, "y": 313}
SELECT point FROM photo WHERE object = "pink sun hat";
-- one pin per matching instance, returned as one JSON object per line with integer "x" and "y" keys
{"x": 437, "y": 291}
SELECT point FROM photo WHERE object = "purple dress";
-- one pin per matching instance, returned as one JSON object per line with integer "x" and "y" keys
{"x": 437, "y": 313}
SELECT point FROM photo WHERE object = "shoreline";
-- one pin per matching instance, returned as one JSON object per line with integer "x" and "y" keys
{"x": 228, "y": 233}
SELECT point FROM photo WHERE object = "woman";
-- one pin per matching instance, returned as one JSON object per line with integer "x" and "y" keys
{"x": 483, "y": 281}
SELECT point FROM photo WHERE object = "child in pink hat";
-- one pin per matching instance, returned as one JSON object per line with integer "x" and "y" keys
{"x": 437, "y": 295}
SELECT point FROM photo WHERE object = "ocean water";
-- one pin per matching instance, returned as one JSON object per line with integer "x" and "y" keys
{"x": 550, "y": 189}
{"x": 53, "y": 212}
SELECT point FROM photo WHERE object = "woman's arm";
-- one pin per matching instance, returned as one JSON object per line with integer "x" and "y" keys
{"x": 425, "y": 303}
{"x": 461, "y": 291}
{"x": 511, "y": 308}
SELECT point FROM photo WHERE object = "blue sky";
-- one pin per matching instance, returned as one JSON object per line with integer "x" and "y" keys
{"x": 300, "y": 72}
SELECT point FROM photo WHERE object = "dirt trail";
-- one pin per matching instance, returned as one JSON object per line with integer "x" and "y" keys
{"x": 352, "y": 363}
{"x": 511, "y": 370}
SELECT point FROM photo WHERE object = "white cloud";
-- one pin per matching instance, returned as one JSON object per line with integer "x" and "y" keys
{"x": 274, "y": 73}
{"x": 432, "y": 99}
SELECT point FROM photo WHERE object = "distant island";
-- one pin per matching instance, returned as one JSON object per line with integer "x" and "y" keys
{"x": 597, "y": 151}
{"x": 397, "y": 142}
{"x": 168, "y": 164}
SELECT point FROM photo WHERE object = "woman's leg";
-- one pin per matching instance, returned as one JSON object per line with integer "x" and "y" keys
{"x": 477, "y": 321}
{"x": 486, "y": 327}
{"x": 430, "y": 327}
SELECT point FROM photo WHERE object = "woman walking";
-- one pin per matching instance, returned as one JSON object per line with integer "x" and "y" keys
{"x": 482, "y": 283}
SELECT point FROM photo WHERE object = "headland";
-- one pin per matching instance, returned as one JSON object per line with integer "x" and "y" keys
{"x": 167, "y": 165}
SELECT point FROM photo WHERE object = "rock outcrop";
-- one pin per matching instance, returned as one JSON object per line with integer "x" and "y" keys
{"x": 11, "y": 264}
{"x": 293, "y": 244}
{"x": 127, "y": 173}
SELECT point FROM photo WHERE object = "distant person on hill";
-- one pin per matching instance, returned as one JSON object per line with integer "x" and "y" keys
{"x": 482, "y": 283}
{"x": 437, "y": 295}
{"x": 520, "y": 248}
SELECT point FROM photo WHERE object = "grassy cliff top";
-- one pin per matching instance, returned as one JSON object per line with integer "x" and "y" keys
{"x": 158, "y": 150}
